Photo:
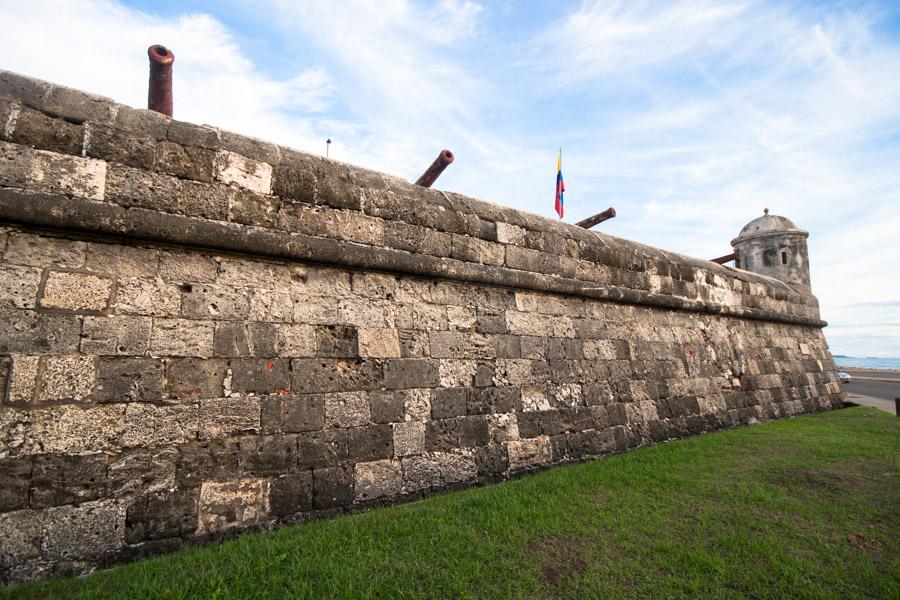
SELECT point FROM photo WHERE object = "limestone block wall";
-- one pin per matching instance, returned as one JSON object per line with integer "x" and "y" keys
{"x": 201, "y": 333}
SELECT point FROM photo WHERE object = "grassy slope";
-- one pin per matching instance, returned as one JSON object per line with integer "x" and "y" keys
{"x": 804, "y": 507}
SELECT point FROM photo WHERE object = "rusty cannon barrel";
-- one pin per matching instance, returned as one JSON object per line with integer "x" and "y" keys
{"x": 437, "y": 167}
{"x": 159, "y": 95}
{"x": 727, "y": 258}
{"x": 607, "y": 214}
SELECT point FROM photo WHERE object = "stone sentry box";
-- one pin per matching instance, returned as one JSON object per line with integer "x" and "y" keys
{"x": 204, "y": 333}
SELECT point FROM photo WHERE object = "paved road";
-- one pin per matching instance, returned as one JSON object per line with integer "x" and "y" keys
{"x": 873, "y": 388}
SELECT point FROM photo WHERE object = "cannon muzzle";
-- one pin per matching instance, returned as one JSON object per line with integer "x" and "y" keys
{"x": 437, "y": 167}
{"x": 607, "y": 214}
{"x": 159, "y": 95}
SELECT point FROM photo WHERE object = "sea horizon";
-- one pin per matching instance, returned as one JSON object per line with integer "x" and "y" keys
{"x": 868, "y": 362}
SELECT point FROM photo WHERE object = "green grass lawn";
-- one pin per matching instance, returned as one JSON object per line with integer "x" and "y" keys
{"x": 802, "y": 508}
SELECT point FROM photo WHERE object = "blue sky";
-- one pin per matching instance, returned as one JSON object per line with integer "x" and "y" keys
{"x": 688, "y": 116}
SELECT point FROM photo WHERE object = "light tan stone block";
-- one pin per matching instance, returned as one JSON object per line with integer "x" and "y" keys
{"x": 224, "y": 416}
{"x": 378, "y": 342}
{"x": 89, "y": 530}
{"x": 44, "y": 251}
{"x": 377, "y": 479}
{"x": 230, "y": 504}
{"x": 529, "y": 453}
{"x": 151, "y": 297}
{"x": 76, "y": 291}
{"x": 244, "y": 172}
{"x": 510, "y": 234}
{"x": 348, "y": 409}
{"x": 182, "y": 337}
{"x": 148, "y": 424}
{"x": 295, "y": 341}
{"x": 23, "y": 378}
{"x": 438, "y": 469}
{"x": 409, "y": 438}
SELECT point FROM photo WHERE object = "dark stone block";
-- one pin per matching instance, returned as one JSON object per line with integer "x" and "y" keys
{"x": 441, "y": 435}
{"x": 405, "y": 373}
{"x": 185, "y": 162}
{"x": 387, "y": 406}
{"x": 292, "y": 414}
{"x": 294, "y": 182}
{"x": 236, "y": 338}
{"x": 332, "y": 486}
{"x": 203, "y": 461}
{"x": 35, "y": 129}
{"x": 268, "y": 454}
{"x": 142, "y": 470}
{"x": 337, "y": 341}
{"x": 554, "y": 422}
{"x": 194, "y": 378}
{"x": 252, "y": 209}
{"x": 616, "y": 411}
{"x": 291, "y": 494}
{"x": 317, "y": 375}
{"x": 491, "y": 460}
{"x": 484, "y": 375}
{"x": 529, "y": 424}
{"x": 261, "y": 376}
{"x": 161, "y": 515}
{"x": 322, "y": 448}
{"x": 121, "y": 379}
{"x": 448, "y": 402}
{"x": 370, "y": 442}
{"x": 488, "y": 321}
{"x": 116, "y": 145}
{"x": 29, "y": 332}
{"x": 507, "y": 346}
{"x": 473, "y": 431}
{"x": 15, "y": 481}
{"x": 63, "y": 479}
{"x": 6, "y": 365}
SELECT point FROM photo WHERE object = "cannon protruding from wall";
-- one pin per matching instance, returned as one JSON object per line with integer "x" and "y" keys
{"x": 607, "y": 214}
{"x": 772, "y": 245}
{"x": 431, "y": 174}
{"x": 159, "y": 93}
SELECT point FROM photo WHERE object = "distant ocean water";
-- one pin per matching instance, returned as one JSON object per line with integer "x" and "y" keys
{"x": 867, "y": 363}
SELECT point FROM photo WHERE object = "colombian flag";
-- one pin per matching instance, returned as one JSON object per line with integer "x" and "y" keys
{"x": 560, "y": 186}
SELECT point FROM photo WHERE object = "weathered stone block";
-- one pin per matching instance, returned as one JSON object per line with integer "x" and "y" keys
{"x": 28, "y": 332}
{"x": 116, "y": 335}
{"x": 185, "y": 162}
{"x": 438, "y": 469}
{"x": 89, "y": 530}
{"x": 210, "y": 301}
{"x": 293, "y": 414}
{"x": 76, "y": 291}
{"x": 404, "y": 373}
{"x": 291, "y": 494}
{"x": 182, "y": 337}
{"x": 206, "y": 460}
{"x": 324, "y": 448}
{"x": 336, "y": 341}
{"x": 44, "y": 251}
{"x": 529, "y": 453}
{"x": 147, "y": 297}
{"x": 150, "y": 424}
{"x": 377, "y": 479}
{"x": 245, "y": 339}
{"x": 347, "y": 410}
{"x": 21, "y": 378}
{"x": 67, "y": 377}
{"x": 19, "y": 286}
{"x": 21, "y": 532}
{"x": 378, "y": 342}
{"x": 261, "y": 454}
{"x": 187, "y": 267}
{"x": 35, "y": 129}
{"x": 225, "y": 416}
{"x": 64, "y": 479}
{"x": 370, "y": 442}
{"x": 261, "y": 376}
{"x": 409, "y": 438}
{"x": 128, "y": 380}
{"x": 142, "y": 470}
{"x": 294, "y": 340}
{"x": 59, "y": 173}
{"x": 316, "y": 375}
{"x": 15, "y": 481}
{"x": 161, "y": 515}
{"x": 231, "y": 168}
{"x": 194, "y": 378}
{"x": 271, "y": 305}
{"x": 230, "y": 504}
{"x": 332, "y": 486}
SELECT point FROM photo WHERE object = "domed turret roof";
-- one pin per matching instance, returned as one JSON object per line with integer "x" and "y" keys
{"x": 768, "y": 225}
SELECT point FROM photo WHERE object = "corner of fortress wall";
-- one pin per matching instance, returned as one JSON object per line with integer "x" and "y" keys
{"x": 204, "y": 333}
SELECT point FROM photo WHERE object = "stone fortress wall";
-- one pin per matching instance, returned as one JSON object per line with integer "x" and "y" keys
{"x": 202, "y": 333}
